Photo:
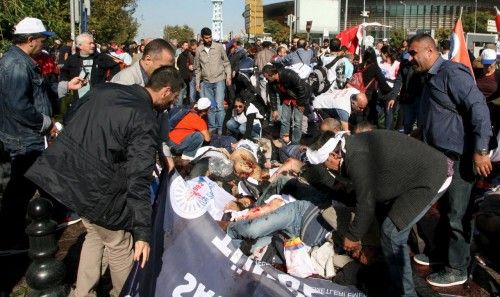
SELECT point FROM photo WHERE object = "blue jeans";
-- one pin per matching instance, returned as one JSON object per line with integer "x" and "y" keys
{"x": 396, "y": 251}
{"x": 291, "y": 151}
{"x": 182, "y": 95}
{"x": 388, "y": 114}
{"x": 287, "y": 219}
{"x": 189, "y": 145}
{"x": 215, "y": 92}
{"x": 237, "y": 128}
{"x": 410, "y": 114}
{"x": 290, "y": 113}
{"x": 192, "y": 90}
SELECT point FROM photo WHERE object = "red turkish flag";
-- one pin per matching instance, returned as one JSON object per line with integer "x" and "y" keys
{"x": 349, "y": 39}
{"x": 458, "y": 48}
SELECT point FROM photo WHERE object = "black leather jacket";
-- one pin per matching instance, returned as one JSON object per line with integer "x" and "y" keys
{"x": 101, "y": 164}
{"x": 295, "y": 88}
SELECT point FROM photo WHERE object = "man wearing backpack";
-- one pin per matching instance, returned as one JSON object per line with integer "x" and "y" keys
{"x": 341, "y": 71}
{"x": 189, "y": 133}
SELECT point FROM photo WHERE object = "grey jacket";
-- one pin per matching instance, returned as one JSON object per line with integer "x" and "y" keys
{"x": 133, "y": 75}
{"x": 213, "y": 66}
{"x": 299, "y": 56}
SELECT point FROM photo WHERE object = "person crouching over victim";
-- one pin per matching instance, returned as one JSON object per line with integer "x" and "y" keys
{"x": 188, "y": 135}
{"x": 245, "y": 120}
{"x": 393, "y": 170}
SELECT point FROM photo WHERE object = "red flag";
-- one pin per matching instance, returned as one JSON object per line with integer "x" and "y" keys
{"x": 458, "y": 48}
{"x": 498, "y": 19}
{"x": 349, "y": 39}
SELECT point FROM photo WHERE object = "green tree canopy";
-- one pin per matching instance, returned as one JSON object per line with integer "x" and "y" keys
{"x": 482, "y": 21}
{"x": 278, "y": 31}
{"x": 111, "y": 20}
{"x": 181, "y": 33}
{"x": 396, "y": 37}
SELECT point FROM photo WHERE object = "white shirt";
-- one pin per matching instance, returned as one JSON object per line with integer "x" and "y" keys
{"x": 242, "y": 117}
{"x": 333, "y": 98}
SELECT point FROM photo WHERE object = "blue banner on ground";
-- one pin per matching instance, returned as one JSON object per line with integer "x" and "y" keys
{"x": 192, "y": 256}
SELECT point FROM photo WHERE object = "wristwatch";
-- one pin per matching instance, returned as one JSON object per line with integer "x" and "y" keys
{"x": 483, "y": 152}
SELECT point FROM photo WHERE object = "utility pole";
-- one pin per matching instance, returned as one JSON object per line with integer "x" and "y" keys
{"x": 72, "y": 19}
{"x": 345, "y": 14}
{"x": 475, "y": 18}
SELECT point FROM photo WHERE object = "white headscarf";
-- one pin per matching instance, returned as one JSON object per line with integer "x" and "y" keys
{"x": 321, "y": 155}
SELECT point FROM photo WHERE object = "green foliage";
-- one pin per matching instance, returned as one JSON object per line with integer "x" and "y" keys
{"x": 181, "y": 33}
{"x": 279, "y": 32}
{"x": 482, "y": 21}
{"x": 442, "y": 34}
{"x": 396, "y": 37}
{"x": 111, "y": 20}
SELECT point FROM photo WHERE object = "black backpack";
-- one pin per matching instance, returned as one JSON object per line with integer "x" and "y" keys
{"x": 318, "y": 79}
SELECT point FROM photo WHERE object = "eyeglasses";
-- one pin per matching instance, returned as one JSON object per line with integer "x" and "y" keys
{"x": 238, "y": 106}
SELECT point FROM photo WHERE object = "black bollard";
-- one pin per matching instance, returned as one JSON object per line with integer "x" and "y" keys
{"x": 45, "y": 275}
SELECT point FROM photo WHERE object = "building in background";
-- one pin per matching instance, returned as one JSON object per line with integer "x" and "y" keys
{"x": 254, "y": 17}
{"x": 413, "y": 15}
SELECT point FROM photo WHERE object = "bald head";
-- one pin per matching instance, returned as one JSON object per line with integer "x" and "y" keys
{"x": 423, "y": 52}
{"x": 330, "y": 124}
{"x": 359, "y": 102}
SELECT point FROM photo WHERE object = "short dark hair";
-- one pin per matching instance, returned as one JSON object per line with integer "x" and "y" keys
{"x": 266, "y": 44}
{"x": 206, "y": 31}
{"x": 302, "y": 43}
{"x": 321, "y": 140}
{"x": 156, "y": 46}
{"x": 165, "y": 76}
{"x": 335, "y": 44}
{"x": 193, "y": 42}
{"x": 269, "y": 70}
{"x": 423, "y": 37}
{"x": 23, "y": 38}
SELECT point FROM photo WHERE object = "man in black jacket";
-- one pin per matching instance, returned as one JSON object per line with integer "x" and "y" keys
{"x": 394, "y": 172}
{"x": 101, "y": 166}
{"x": 295, "y": 95}
{"x": 95, "y": 68}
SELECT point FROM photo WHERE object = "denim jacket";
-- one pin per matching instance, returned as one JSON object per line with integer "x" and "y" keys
{"x": 25, "y": 108}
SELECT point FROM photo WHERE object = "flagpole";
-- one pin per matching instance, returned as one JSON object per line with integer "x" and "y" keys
{"x": 461, "y": 10}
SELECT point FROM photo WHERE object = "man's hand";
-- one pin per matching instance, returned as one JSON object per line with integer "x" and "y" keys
{"x": 76, "y": 83}
{"x": 390, "y": 104}
{"x": 198, "y": 88}
{"x": 482, "y": 164}
{"x": 54, "y": 131}
{"x": 141, "y": 249}
{"x": 275, "y": 115}
{"x": 301, "y": 109}
{"x": 352, "y": 246}
{"x": 228, "y": 82}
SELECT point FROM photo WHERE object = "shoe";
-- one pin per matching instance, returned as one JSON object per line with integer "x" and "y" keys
{"x": 446, "y": 279}
{"x": 70, "y": 219}
{"x": 422, "y": 259}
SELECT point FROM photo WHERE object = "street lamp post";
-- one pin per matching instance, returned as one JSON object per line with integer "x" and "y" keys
{"x": 385, "y": 28}
{"x": 404, "y": 17}
{"x": 345, "y": 14}
{"x": 475, "y": 17}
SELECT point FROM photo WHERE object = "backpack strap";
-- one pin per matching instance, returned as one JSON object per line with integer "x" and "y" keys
{"x": 330, "y": 65}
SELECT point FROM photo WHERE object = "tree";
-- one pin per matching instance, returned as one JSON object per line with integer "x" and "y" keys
{"x": 396, "y": 37}
{"x": 442, "y": 34}
{"x": 278, "y": 31}
{"x": 181, "y": 33}
{"x": 482, "y": 21}
{"x": 113, "y": 20}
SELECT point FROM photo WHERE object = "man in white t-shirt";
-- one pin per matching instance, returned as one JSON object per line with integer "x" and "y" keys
{"x": 342, "y": 70}
{"x": 339, "y": 104}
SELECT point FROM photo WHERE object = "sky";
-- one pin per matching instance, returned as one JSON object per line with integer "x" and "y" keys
{"x": 153, "y": 15}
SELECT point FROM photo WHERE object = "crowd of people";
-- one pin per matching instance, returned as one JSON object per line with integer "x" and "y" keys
{"x": 310, "y": 141}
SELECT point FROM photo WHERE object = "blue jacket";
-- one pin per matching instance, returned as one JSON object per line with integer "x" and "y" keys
{"x": 25, "y": 108}
{"x": 299, "y": 56}
{"x": 453, "y": 112}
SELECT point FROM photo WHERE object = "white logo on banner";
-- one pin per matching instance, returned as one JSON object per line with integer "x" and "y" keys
{"x": 186, "y": 202}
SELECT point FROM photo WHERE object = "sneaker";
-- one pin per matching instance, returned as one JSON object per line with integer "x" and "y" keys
{"x": 446, "y": 279}
{"x": 421, "y": 259}
{"x": 70, "y": 219}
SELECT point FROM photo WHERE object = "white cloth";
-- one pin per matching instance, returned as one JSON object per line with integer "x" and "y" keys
{"x": 333, "y": 98}
{"x": 321, "y": 155}
{"x": 242, "y": 117}
{"x": 202, "y": 186}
